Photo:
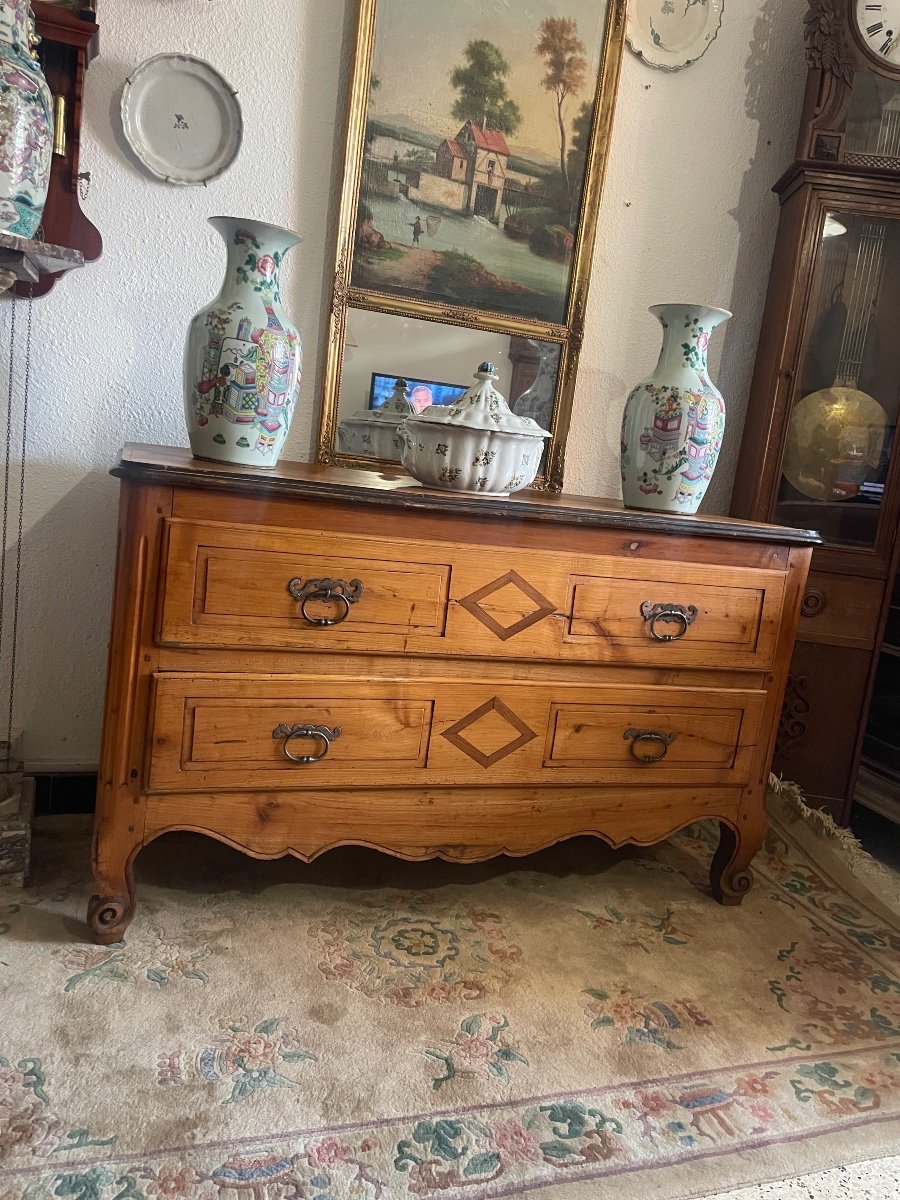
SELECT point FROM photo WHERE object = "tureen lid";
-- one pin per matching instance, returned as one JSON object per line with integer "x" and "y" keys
{"x": 481, "y": 407}
{"x": 398, "y": 407}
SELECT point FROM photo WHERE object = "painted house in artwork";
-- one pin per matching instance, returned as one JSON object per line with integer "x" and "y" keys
{"x": 450, "y": 161}
{"x": 488, "y": 158}
{"x": 469, "y": 173}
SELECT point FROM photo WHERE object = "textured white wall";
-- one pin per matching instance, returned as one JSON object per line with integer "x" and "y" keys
{"x": 687, "y": 214}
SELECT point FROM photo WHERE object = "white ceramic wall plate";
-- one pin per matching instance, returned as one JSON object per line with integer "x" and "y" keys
{"x": 181, "y": 119}
{"x": 672, "y": 34}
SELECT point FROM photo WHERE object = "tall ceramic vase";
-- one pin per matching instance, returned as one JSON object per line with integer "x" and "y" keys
{"x": 242, "y": 360}
{"x": 26, "y": 122}
{"x": 674, "y": 421}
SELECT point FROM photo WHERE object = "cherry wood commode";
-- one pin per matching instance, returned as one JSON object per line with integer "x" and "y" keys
{"x": 313, "y": 657}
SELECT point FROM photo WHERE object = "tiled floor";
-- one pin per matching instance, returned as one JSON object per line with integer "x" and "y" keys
{"x": 878, "y": 1180}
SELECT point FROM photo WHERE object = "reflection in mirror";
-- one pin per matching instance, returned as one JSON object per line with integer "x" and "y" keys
{"x": 434, "y": 364}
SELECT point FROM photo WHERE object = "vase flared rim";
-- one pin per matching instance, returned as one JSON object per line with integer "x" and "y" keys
{"x": 658, "y": 309}
{"x": 258, "y": 228}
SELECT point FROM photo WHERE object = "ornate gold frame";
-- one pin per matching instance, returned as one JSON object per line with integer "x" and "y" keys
{"x": 570, "y": 335}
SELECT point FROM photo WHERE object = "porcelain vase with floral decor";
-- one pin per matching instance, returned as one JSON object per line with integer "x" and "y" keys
{"x": 243, "y": 356}
{"x": 674, "y": 421}
{"x": 26, "y": 122}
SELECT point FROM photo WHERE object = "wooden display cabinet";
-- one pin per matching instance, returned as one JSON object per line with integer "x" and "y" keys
{"x": 819, "y": 445}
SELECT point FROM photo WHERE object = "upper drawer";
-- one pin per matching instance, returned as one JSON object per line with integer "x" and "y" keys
{"x": 240, "y": 587}
{"x": 229, "y": 585}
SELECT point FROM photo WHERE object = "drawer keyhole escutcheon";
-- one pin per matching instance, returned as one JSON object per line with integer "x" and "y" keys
{"x": 634, "y": 736}
{"x": 685, "y": 615}
{"x": 320, "y": 733}
{"x": 340, "y": 591}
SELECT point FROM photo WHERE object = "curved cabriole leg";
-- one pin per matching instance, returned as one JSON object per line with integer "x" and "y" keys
{"x": 730, "y": 874}
{"x": 112, "y": 906}
{"x": 109, "y": 916}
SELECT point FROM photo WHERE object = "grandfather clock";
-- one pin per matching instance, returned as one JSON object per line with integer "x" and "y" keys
{"x": 819, "y": 446}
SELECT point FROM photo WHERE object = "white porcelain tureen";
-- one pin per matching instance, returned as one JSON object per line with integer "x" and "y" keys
{"x": 476, "y": 444}
{"x": 373, "y": 432}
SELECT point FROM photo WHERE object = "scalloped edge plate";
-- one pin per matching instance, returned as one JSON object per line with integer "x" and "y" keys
{"x": 672, "y": 42}
{"x": 182, "y": 119}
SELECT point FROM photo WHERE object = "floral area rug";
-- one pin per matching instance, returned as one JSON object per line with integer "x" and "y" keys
{"x": 578, "y": 1024}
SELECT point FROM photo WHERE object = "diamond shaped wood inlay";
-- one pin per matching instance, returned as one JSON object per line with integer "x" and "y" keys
{"x": 516, "y": 724}
{"x": 472, "y": 604}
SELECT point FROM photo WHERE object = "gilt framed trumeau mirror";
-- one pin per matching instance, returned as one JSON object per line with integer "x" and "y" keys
{"x": 476, "y": 144}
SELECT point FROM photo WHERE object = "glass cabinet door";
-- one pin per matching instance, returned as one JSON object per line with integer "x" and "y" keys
{"x": 873, "y": 122}
{"x": 847, "y": 390}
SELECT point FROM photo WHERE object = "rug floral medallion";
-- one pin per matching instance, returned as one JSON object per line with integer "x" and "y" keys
{"x": 578, "y": 1024}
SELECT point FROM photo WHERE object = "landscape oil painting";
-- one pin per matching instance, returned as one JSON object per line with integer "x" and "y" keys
{"x": 477, "y": 142}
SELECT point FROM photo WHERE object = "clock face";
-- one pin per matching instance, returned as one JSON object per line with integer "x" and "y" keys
{"x": 879, "y": 28}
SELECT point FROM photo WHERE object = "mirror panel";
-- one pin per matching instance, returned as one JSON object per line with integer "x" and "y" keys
{"x": 437, "y": 362}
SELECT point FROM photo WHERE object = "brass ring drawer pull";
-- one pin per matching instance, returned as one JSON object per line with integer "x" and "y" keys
{"x": 633, "y": 736}
{"x": 686, "y": 615}
{"x": 319, "y": 732}
{"x": 339, "y": 590}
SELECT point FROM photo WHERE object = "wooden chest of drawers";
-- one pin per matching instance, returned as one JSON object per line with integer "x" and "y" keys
{"x": 311, "y": 657}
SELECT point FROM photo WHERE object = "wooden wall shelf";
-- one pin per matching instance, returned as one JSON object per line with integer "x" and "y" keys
{"x": 32, "y": 261}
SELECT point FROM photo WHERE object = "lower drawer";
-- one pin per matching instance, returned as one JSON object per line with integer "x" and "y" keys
{"x": 256, "y": 732}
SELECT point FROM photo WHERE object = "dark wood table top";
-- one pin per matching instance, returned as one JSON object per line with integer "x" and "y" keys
{"x": 393, "y": 487}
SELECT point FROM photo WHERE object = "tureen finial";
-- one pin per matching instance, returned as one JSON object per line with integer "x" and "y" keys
{"x": 487, "y": 370}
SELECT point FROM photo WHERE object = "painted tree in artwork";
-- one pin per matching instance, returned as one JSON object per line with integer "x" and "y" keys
{"x": 374, "y": 85}
{"x": 565, "y": 69}
{"x": 581, "y": 138}
{"x": 481, "y": 84}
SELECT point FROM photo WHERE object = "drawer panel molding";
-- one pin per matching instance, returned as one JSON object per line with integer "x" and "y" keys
{"x": 233, "y": 587}
{"x": 293, "y": 732}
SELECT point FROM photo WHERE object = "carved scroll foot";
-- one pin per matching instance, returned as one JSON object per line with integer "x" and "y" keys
{"x": 110, "y": 911}
{"x": 730, "y": 875}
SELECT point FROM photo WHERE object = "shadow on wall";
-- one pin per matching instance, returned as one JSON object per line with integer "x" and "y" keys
{"x": 756, "y": 214}
{"x": 64, "y": 612}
